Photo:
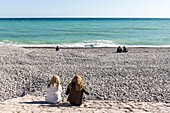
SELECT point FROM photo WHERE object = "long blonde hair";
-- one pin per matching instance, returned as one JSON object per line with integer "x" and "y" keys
{"x": 78, "y": 82}
{"x": 55, "y": 81}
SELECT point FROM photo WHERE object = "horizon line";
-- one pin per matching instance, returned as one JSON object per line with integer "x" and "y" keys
{"x": 82, "y": 17}
{"x": 49, "y": 17}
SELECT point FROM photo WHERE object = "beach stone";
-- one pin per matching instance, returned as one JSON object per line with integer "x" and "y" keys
{"x": 137, "y": 75}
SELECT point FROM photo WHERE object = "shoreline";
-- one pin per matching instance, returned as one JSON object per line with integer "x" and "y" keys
{"x": 84, "y": 46}
{"x": 63, "y": 47}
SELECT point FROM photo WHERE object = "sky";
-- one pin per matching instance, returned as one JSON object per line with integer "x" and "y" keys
{"x": 85, "y": 8}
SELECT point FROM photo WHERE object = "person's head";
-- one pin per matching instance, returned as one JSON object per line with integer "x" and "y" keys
{"x": 55, "y": 81}
{"x": 78, "y": 81}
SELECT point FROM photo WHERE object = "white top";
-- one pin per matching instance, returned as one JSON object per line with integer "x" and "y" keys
{"x": 53, "y": 94}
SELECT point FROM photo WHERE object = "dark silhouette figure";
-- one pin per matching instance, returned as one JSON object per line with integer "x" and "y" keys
{"x": 119, "y": 49}
{"x": 75, "y": 90}
{"x": 57, "y": 48}
{"x": 125, "y": 49}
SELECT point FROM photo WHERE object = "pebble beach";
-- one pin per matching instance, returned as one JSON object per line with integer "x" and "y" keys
{"x": 140, "y": 75}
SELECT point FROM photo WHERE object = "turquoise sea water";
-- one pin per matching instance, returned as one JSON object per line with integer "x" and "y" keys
{"x": 81, "y": 32}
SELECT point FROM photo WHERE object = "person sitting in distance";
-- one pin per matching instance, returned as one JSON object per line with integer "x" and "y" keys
{"x": 124, "y": 49}
{"x": 119, "y": 49}
{"x": 57, "y": 48}
{"x": 75, "y": 90}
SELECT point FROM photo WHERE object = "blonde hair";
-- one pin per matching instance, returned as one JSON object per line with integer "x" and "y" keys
{"x": 78, "y": 82}
{"x": 55, "y": 81}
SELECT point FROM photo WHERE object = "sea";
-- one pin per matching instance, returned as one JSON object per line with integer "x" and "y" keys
{"x": 85, "y": 32}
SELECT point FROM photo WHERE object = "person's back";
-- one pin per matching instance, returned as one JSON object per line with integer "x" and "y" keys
{"x": 53, "y": 94}
{"x": 124, "y": 49}
{"x": 75, "y": 92}
{"x": 53, "y": 91}
{"x": 119, "y": 49}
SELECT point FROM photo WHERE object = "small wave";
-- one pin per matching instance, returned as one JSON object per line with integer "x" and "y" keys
{"x": 85, "y": 44}
{"x": 98, "y": 43}
{"x": 89, "y": 43}
{"x": 7, "y": 42}
{"x": 141, "y": 28}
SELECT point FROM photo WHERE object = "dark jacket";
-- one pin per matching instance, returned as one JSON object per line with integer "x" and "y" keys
{"x": 75, "y": 97}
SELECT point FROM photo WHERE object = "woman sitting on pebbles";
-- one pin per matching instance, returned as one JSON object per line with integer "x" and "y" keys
{"x": 75, "y": 90}
{"x": 53, "y": 91}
